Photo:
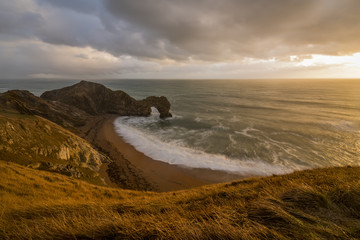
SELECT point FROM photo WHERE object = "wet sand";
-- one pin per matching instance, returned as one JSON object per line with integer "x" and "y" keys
{"x": 132, "y": 169}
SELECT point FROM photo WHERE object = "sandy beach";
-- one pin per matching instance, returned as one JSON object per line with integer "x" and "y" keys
{"x": 132, "y": 169}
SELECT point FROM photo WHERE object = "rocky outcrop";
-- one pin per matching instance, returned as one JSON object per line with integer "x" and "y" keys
{"x": 25, "y": 102}
{"x": 96, "y": 99}
{"x": 72, "y": 106}
{"x": 160, "y": 103}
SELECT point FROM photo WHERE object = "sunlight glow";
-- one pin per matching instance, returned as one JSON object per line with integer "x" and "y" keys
{"x": 350, "y": 60}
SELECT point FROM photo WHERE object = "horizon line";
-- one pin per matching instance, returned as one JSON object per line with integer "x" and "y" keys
{"x": 172, "y": 79}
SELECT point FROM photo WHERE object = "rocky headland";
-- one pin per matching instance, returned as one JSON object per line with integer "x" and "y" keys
{"x": 73, "y": 106}
{"x": 96, "y": 99}
{"x": 59, "y": 132}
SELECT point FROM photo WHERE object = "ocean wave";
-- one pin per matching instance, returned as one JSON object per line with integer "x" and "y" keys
{"x": 153, "y": 118}
{"x": 174, "y": 153}
{"x": 246, "y": 131}
{"x": 2, "y": 90}
{"x": 342, "y": 125}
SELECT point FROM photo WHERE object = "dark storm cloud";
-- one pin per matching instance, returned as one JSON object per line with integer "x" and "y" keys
{"x": 253, "y": 28}
{"x": 89, "y": 23}
{"x": 18, "y": 22}
{"x": 205, "y": 30}
{"x": 84, "y": 6}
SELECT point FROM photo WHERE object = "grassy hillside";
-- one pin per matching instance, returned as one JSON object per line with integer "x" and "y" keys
{"x": 317, "y": 204}
{"x": 38, "y": 143}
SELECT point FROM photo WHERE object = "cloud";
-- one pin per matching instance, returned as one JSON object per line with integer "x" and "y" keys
{"x": 82, "y": 6}
{"x": 214, "y": 30}
{"x": 37, "y": 59}
{"x": 18, "y": 19}
{"x": 161, "y": 37}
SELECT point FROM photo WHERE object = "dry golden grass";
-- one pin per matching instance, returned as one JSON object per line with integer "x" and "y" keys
{"x": 317, "y": 204}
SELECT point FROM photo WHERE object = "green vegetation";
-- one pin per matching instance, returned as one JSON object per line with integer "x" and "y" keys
{"x": 312, "y": 204}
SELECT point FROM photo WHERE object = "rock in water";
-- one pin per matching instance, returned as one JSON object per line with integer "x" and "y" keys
{"x": 160, "y": 103}
{"x": 96, "y": 99}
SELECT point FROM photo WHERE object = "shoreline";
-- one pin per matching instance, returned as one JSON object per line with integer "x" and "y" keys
{"x": 134, "y": 170}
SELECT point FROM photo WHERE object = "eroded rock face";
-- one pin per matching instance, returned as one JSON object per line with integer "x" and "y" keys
{"x": 96, "y": 99}
{"x": 27, "y": 103}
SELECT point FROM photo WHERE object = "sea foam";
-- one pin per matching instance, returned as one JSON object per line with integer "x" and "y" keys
{"x": 174, "y": 153}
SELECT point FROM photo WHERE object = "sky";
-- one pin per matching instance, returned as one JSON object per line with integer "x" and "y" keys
{"x": 183, "y": 39}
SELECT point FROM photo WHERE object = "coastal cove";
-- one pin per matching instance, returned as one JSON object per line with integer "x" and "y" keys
{"x": 90, "y": 110}
{"x": 140, "y": 171}
{"x": 85, "y": 169}
{"x": 221, "y": 130}
{"x": 179, "y": 120}
{"x": 250, "y": 127}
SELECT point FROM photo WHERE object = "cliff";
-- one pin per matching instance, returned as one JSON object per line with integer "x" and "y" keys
{"x": 38, "y": 143}
{"x": 96, "y": 99}
{"x": 24, "y": 102}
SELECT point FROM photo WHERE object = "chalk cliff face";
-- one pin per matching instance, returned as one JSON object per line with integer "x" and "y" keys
{"x": 96, "y": 99}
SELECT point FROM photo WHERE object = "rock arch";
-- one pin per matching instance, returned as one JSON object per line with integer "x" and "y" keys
{"x": 162, "y": 104}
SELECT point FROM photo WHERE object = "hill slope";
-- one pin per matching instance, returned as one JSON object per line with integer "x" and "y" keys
{"x": 38, "y": 143}
{"x": 316, "y": 204}
{"x": 23, "y": 101}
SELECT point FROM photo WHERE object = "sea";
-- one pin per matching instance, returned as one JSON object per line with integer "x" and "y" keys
{"x": 246, "y": 127}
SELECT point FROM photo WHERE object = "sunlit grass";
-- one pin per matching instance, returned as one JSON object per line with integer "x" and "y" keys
{"x": 34, "y": 141}
{"x": 322, "y": 204}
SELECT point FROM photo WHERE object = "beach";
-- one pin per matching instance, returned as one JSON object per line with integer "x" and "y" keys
{"x": 134, "y": 170}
